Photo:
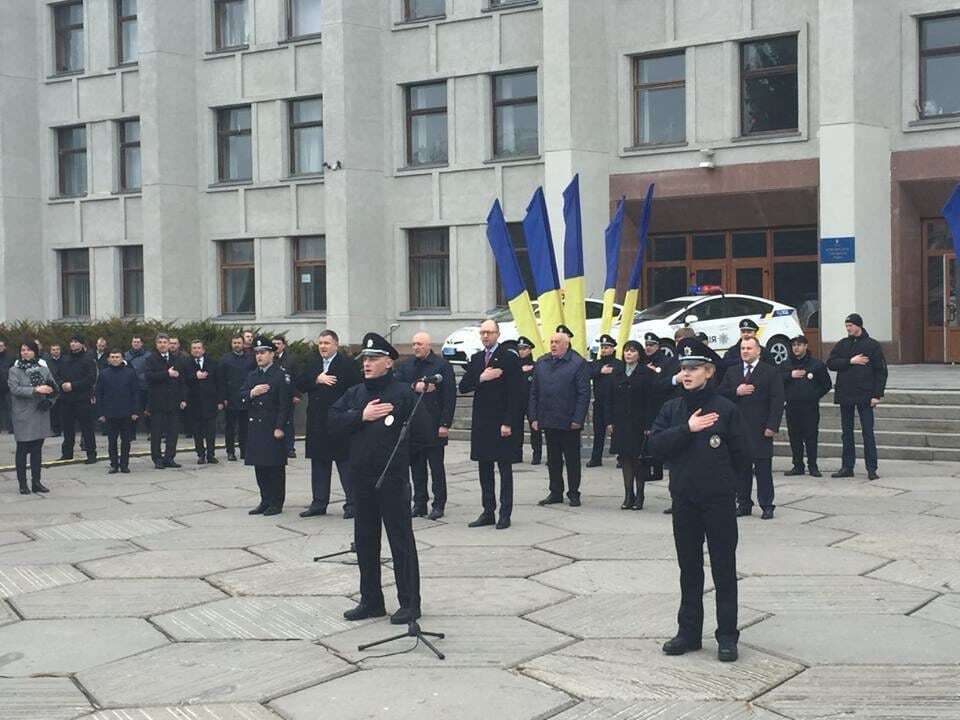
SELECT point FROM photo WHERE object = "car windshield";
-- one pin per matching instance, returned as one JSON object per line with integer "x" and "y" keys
{"x": 661, "y": 310}
{"x": 503, "y": 314}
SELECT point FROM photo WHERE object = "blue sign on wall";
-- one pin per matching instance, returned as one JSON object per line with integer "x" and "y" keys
{"x": 837, "y": 250}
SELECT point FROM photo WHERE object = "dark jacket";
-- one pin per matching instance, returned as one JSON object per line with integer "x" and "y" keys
{"x": 101, "y": 360}
{"x": 137, "y": 359}
{"x": 527, "y": 366}
{"x": 321, "y": 444}
{"x": 603, "y": 384}
{"x": 635, "y": 406}
{"x": 266, "y": 413}
{"x": 80, "y": 370}
{"x": 560, "y": 392}
{"x": 761, "y": 410}
{"x": 289, "y": 366}
{"x": 233, "y": 373}
{"x": 732, "y": 356}
{"x": 54, "y": 364}
{"x": 203, "y": 396}
{"x": 6, "y": 362}
{"x": 165, "y": 392}
{"x": 698, "y": 470}
{"x": 805, "y": 391}
{"x": 495, "y": 403}
{"x": 118, "y": 392}
{"x": 442, "y": 402}
{"x": 858, "y": 383}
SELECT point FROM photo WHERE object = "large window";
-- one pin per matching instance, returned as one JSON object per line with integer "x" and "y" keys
{"x": 131, "y": 258}
{"x": 68, "y": 36}
{"x": 127, "y": 47}
{"x": 306, "y": 136}
{"x": 128, "y": 133}
{"x": 237, "y": 278}
{"x": 75, "y": 283}
{"x": 427, "y": 124}
{"x": 72, "y": 160}
{"x": 310, "y": 274}
{"x": 769, "y": 99}
{"x": 519, "y": 242}
{"x": 234, "y": 151}
{"x": 422, "y": 9}
{"x": 429, "y": 269}
{"x": 940, "y": 66}
{"x": 659, "y": 99}
{"x": 230, "y": 23}
{"x": 303, "y": 18}
{"x": 515, "y": 130}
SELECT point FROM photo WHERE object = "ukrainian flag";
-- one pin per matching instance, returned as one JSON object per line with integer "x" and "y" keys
{"x": 518, "y": 300}
{"x": 543, "y": 263}
{"x": 633, "y": 287}
{"x": 612, "y": 241}
{"x": 574, "y": 283}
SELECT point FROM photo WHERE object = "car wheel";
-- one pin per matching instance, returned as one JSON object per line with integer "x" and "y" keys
{"x": 779, "y": 347}
{"x": 668, "y": 347}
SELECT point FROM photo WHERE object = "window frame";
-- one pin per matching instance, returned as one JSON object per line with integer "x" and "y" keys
{"x": 639, "y": 88}
{"x": 293, "y": 126}
{"x": 60, "y": 32}
{"x": 61, "y": 153}
{"x": 223, "y": 136}
{"x": 409, "y": 17}
{"x": 66, "y": 274}
{"x": 225, "y": 267}
{"x": 291, "y": 37}
{"x": 410, "y": 113}
{"x": 525, "y": 100}
{"x": 124, "y": 146}
{"x": 126, "y": 271}
{"x": 313, "y": 263}
{"x": 218, "y": 45}
{"x": 413, "y": 277}
{"x": 121, "y": 20}
{"x": 923, "y": 54}
{"x": 774, "y": 71}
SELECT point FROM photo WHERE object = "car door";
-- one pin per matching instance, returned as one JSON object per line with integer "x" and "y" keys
{"x": 710, "y": 319}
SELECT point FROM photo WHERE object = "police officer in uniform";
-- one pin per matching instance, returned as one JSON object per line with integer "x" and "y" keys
{"x": 525, "y": 352}
{"x": 700, "y": 435}
{"x": 266, "y": 398}
{"x": 748, "y": 329}
{"x": 371, "y": 416}
{"x": 805, "y": 381}
{"x": 602, "y": 372}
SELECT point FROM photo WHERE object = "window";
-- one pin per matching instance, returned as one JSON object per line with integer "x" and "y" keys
{"x": 68, "y": 36}
{"x": 128, "y": 132}
{"x": 306, "y": 136}
{"x": 310, "y": 273}
{"x": 234, "y": 144}
{"x": 127, "y": 48}
{"x": 237, "y": 278}
{"x": 519, "y": 242}
{"x": 230, "y": 23}
{"x": 709, "y": 247}
{"x": 75, "y": 283}
{"x": 659, "y": 99}
{"x": 427, "y": 124}
{"x": 429, "y": 269}
{"x": 303, "y": 18}
{"x": 423, "y": 9}
{"x": 939, "y": 66}
{"x": 507, "y": 3}
{"x": 769, "y": 101}
{"x": 131, "y": 258}
{"x": 72, "y": 157}
{"x": 515, "y": 114}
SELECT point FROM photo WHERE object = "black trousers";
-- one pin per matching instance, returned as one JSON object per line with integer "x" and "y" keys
{"x": 849, "y": 452}
{"x": 715, "y": 519}
{"x": 601, "y": 421}
{"x": 165, "y": 424}
{"x": 186, "y": 422}
{"x": 536, "y": 443}
{"x": 235, "y": 429}
{"x": 71, "y": 415}
{"x": 144, "y": 418}
{"x": 272, "y": 481}
{"x": 204, "y": 435}
{"x": 488, "y": 491}
{"x": 388, "y": 507}
{"x": 321, "y": 471}
{"x": 803, "y": 426}
{"x": 6, "y": 419}
{"x": 563, "y": 447}
{"x": 419, "y": 460}
{"x": 635, "y": 474}
{"x": 763, "y": 469}
{"x": 31, "y": 449}
{"x": 119, "y": 428}
{"x": 55, "y": 413}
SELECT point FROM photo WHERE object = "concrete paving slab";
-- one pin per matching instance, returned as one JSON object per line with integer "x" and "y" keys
{"x": 854, "y": 595}
{"x": 7, "y": 615}
{"x": 656, "y": 545}
{"x": 948, "y": 510}
{"x": 44, "y": 552}
{"x": 303, "y": 548}
{"x": 428, "y": 693}
{"x": 905, "y": 524}
{"x": 487, "y": 596}
{"x": 612, "y": 576}
{"x": 937, "y": 575}
{"x": 604, "y": 521}
{"x": 106, "y": 529}
{"x": 221, "y": 536}
{"x": 463, "y": 561}
{"x": 841, "y": 491}
{"x": 225, "y": 497}
{"x": 211, "y": 672}
{"x": 115, "y": 598}
{"x": 19, "y": 579}
{"x": 232, "y": 711}
{"x": 294, "y": 579}
{"x": 10, "y": 537}
{"x": 42, "y": 698}
{"x": 58, "y": 503}
{"x": 171, "y": 563}
{"x": 19, "y": 521}
{"x": 36, "y": 647}
{"x": 806, "y": 535}
{"x": 638, "y": 670}
{"x": 148, "y": 510}
{"x": 945, "y": 609}
{"x": 777, "y": 559}
{"x": 934, "y": 483}
{"x": 852, "y": 505}
{"x": 668, "y": 710}
{"x": 899, "y": 546}
{"x": 521, "y": 532}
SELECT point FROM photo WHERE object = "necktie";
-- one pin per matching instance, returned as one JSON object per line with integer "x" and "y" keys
{"x": 486, "y": 358}
{"x": 747, "y": 372}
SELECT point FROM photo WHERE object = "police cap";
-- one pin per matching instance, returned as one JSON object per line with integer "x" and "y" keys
{"x": 524, "y": 342}
{"x": 607, "y": 340}
{"x": 565, "y": 330}
{"x": 695, "y": 351}
{"x": 263, "y": 342}
{"x": 377, "y": 346}
{"x": 748, "y": 324}
{"x": 651, "y": 339}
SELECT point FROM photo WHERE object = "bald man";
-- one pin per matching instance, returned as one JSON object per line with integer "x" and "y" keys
{"x": 439, "y": 400}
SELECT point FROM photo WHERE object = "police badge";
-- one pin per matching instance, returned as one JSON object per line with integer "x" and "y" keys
{"x": 714, "y": 441}
{"x": 388, "y": 420}
{"x": 809, "y": 376}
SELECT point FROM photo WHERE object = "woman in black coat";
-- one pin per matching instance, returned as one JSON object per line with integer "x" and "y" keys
{"x": 632, "y": 407}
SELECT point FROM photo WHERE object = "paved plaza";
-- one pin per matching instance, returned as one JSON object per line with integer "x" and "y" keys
{"x": 125, "y": 596}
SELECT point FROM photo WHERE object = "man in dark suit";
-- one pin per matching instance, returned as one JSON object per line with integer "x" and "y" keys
{"x": 602, "y": 371}
{"x": 284, "y": 360}
{"x": 757, "y": 389}
{"x": 167, "y": 398}
{"x": 204, "y": 401}
{"x": 78, "y": 376}
{"x": 527, "y": 360}
{"x": 805, "y": 381}
{"x": 325, "y": 379}
{"x": 234, "y": 368}
{"x": 493, "y": 375}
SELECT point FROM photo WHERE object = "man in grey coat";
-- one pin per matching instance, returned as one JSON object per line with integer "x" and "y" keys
{"x": 559, "y": 396}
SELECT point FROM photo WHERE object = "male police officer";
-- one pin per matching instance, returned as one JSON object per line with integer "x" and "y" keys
{"x": 748, "y": 329}
{"x": 525, "y": 353}
{"x": 266, "y": 397}
{"x": 602, "y": 371}
{"x": 235, "y": 366}
{"x": 805, "y": 381}
{"x": 373, "y": 415}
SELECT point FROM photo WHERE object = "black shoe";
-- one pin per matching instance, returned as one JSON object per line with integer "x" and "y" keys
{"x": 38, "y": 487}
{"x": 678, "y": 645}
{"x": 619, "y": 465}
{"x": 638, "y": 505}
{"x": 727, "y": 651}
{"x": 843, "y": 473}
{"x": 537, "y": 459}
{"x": 291, "y": 454}
{"x": 242, "y": 455}
{"x": 418, "y": 511}
{"x": 668, "y": 510}
{"x": 348, "y": 513}
{"x": 795, "y": 470}
{"x": 815, "y": 471}
{"x": 91, "y": 460}
{"x": 362, "y": 612}
{"x": 313, "y": 512}
{"x": 113, "y": 471}
{"x": 159, "y": 465}
{"x": 503, "y": 523}
{"x": 628, "y": 502}
{"x": 171, "y": 464}
{"x": 767, "y": 514}
{"x": 575, "y": 501}
{"x": 594, "y": 463}
{"x": 231, "y": 457}
{"x": 125, "y": 470}
{"x": 483, "y": 520}
{"x": 436, "y": 513}
{"x": 201, "y": 460}
{"x": 872, "y": 475}
{"x": 24, "y": 490}
{"x": 744, "y": 510}
{"x": 64, "y": 457}
{"x": 405, "y": 616}
{"x": 212, "y": 460}
{"x": 258, "y": 510}
{"x": 273, "y": 510}
{"x": 551, "y": 500}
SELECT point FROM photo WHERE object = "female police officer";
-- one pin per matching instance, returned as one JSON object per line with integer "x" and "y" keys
{"x": 700, "y": 435}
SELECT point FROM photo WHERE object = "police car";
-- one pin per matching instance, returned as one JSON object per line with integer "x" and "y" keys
{"x": 711, "y": 311}
{"x": 463, "y": 343}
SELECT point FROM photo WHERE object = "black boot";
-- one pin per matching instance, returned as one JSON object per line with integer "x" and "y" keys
{"x": 795, "y": 470}
{"x": 38, "y": 487}
{"x": 22, "y": 479}
{"x": 638, "y": 505}
{"x": 628, "y": 497}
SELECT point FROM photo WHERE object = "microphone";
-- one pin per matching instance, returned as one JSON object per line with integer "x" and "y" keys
{"x": 432, "y": 379}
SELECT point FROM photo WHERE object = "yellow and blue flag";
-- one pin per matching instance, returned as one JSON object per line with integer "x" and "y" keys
{"x": 611, "y": 238}
{"x": 518, "y": 299}
{"x": 574, "y": 283}
{"x": 951, "y": 212}
{"x": 543, "y": 263}
{"x": 633, "y": 286}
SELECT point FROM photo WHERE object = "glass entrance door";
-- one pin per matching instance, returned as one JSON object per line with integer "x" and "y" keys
{"x": 941, "y": 295}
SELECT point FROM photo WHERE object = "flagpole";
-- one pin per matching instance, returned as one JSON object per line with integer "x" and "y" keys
{"x": 946, "y": 294}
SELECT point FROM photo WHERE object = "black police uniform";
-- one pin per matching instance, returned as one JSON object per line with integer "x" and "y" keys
{"x": 603, "y": 389}
{"x": 287, "y": 363}
{"x": 803, "y": 407}
{"x": 234, "y": 368}
{"x": 661, "y": 388}
{"x": 267, "y": 454}
{"x": 527, "y": 366}
{"x": 704, "y": 467}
